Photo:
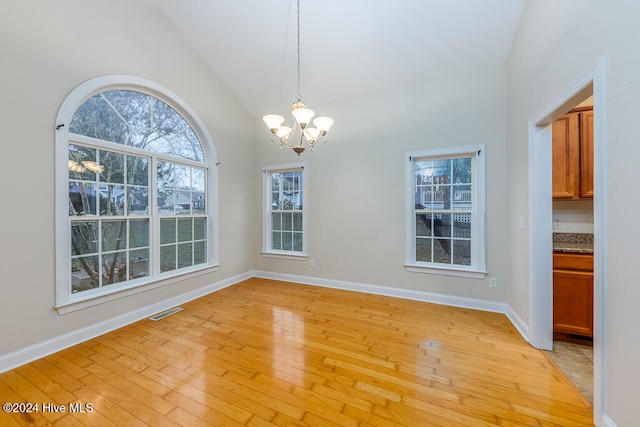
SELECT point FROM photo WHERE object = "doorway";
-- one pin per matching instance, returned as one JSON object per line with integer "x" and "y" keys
{"x": 591, "y": 82}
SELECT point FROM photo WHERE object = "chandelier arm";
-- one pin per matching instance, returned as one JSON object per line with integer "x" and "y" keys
{"x": 285, "y": 141}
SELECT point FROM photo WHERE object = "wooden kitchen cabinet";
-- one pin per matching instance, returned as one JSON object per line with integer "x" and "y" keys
{"x": 572, "y": 137}
{"x": 572, "y": 296}
{"x": 586, "y": 154}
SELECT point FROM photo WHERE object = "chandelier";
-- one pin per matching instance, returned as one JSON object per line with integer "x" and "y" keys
{"x": 288, "y": 136}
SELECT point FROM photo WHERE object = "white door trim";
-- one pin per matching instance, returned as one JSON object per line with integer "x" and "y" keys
{"x": 540, "y": 211}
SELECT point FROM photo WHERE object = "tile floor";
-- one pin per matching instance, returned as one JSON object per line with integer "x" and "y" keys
{"x": 576, "y": 361}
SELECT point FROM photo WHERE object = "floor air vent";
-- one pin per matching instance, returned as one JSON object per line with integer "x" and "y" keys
{"x": 166, "y": 313}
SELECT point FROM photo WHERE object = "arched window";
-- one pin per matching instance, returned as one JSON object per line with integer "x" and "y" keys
{"x": 135, "y": 191}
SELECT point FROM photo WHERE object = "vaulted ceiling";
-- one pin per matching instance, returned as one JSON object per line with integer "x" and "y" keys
{"x": 348, "y": 47}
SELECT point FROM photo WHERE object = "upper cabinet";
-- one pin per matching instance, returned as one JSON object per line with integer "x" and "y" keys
{"x": 573, "y": 155}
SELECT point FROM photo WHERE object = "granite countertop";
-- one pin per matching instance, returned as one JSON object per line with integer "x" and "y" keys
{"x": 577, "y": 243}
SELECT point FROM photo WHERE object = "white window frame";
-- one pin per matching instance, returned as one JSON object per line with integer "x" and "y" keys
{"x": 477, "y": 269}
{"x": 267, "y": 172}
{"x": 66, "y": 301}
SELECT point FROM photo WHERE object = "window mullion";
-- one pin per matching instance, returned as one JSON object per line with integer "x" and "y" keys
{"x": 154, "y": 218}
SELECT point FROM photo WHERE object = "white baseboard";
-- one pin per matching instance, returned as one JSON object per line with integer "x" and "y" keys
{"x": 36, "y": 351}
{"x": 518, "y": 323}
{"x": 608, "y": 422}
{"x": 463, "y": 302}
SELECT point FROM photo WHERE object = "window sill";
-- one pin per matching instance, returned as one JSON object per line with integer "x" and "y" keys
{"x": 80, "y": 301}
{"x": 446, "y": 271}
{"x": 296, "y": 256}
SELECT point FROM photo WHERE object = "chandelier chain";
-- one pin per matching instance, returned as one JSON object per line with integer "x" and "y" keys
{"x": 298, "y": 19}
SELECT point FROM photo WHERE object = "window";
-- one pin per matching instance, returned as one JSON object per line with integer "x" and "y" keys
{"x": 137, "y": 202}
{"x": 445, "y": 211}
{"x": 284, "y": 211}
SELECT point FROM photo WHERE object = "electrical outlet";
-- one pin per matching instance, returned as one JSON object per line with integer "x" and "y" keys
{"x": 493, "y": 282}
{"x": 556, "y": 223}
{"x": 312, "y": 263}
{"x": 226, "y": 264}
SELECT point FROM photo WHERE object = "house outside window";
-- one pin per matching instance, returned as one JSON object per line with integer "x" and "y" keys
{"x": 284, "y": 210}
{"x": 138, "y": 201}
{"x": 446, "y": 211}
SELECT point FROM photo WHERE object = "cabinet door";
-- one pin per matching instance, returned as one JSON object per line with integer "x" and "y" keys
{"x": 573, "y": 302}
{"x": 586, "y": 154}
{"x": 566, "y": 156}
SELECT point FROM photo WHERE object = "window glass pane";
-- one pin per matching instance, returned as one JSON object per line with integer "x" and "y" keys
{"x": 167, "y": 231}
{"x": 443, "y": 196}
{"x": 138, "y": 199}
{"x": 111, "y": 199}
{"x": 138, "y": 263}
{"x": 137, "y": 170}
{"x": 198, "y": 195}
{"x": 423, "y": 249}
{"x": 442, "y": 225}
{"x": 111, "y": 167}
{"x": 139, "y": 120}
{"x": 461, "y": 199}
{"x": 185, "y": 254}
{"x": 138, "y": 233}
{"x": 82, "y": 198}
{"x": 199, "y": 253}
{"x": 167, "y": 258}
{"x": 462, "y": 226}
{"x": 276, "y": 221}
{"x": 166, "y": 188}
{"x": 424, "y": 224}
{"x": 114, "y": 268}
{"x": 199, "y": 229}
{"x": 182, "y": 177}
{"x": 442, "y": 251}
{"x": 462, "y": 252}
{"x": 275, "y": 190}
{"x": 183, "y": 202}
{"x": 198, "y": 203}
{"x": 114, "y": 235}
{"x": 297, "y": 242}
{"x": 287, "y": 221}
{"x": 84, "y": 273}
{"x": 297, "y": 222}
{"x": 198, "y": 179}
{"x": 296, "y": 198}
{"x": 165, "y": 177}
{"x": 166, "y": 201}
{"x": 276, "y": 240}
{"x": 462, "y": 170}
{"x": 287, "y": 241}
{"x": 84, "y": 237}
{"x": 185, "y": 229}
{"x": 287, "y": 183}
{"x": 78, "y": 155}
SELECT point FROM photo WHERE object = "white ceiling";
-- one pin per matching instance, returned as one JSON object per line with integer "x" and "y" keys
{"x": 348, "y": 47}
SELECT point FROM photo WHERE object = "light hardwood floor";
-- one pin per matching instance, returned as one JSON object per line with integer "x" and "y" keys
{"x": 265, "y": 353}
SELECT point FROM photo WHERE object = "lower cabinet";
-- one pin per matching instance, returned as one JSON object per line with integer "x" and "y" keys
{"x": 572, "y": 296}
